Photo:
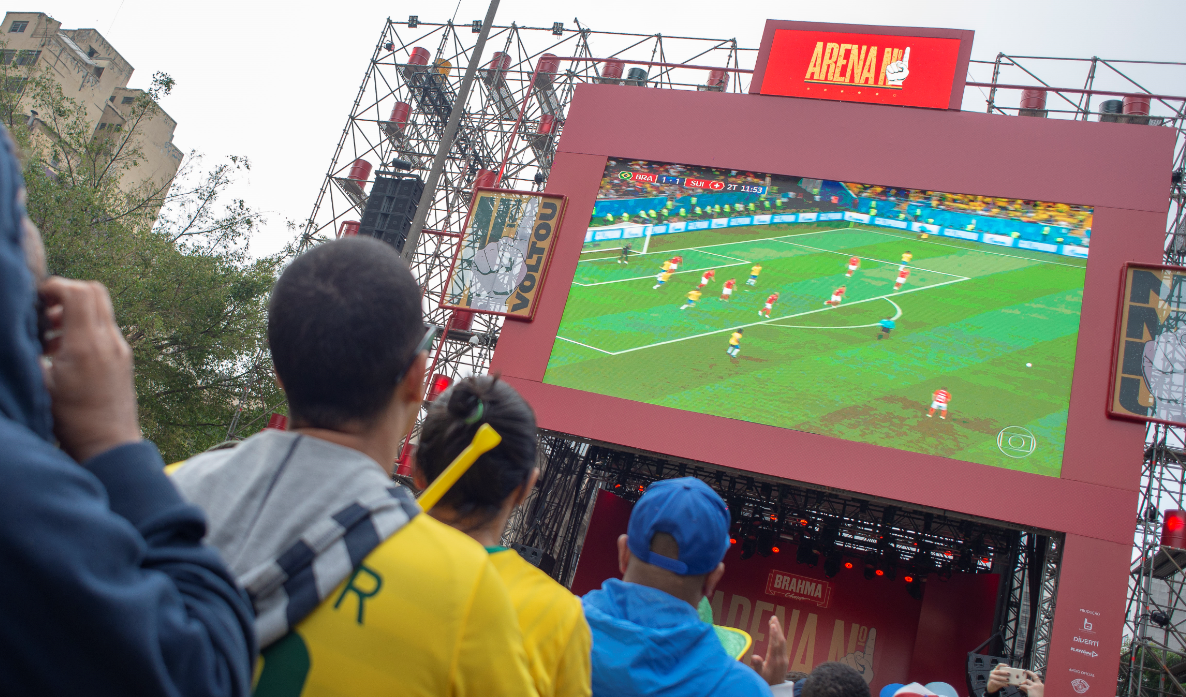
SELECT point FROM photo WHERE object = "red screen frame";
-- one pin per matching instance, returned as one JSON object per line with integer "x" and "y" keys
{"x": 1121, "y": 170}
{"x": 964, "y": 36}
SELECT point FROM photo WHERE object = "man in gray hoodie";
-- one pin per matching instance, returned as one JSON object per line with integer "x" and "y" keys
{"x": 351, "y": 586}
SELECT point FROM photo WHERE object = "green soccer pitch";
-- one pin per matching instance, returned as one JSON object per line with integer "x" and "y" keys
{"x": 994, "y": 327}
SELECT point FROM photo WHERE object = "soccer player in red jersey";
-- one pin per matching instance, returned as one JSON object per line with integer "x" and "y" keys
{"x": 727, "y": 290}
{"x": 853, "y": 264}
{"x": 903, "y": 274}
{"x": 675, "y": 262}
{"x": 939, "y": 401}
{"x": 706, "y": 278}
{"x": 769, "y": 304}
{"x": 837, "y": 296}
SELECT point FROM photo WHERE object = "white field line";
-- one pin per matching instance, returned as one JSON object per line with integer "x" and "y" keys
{"x": 706, "y": 246}
{"x": 585, "y": 345}
{"x": 897, "y": 315}
{"x": 971, "y": 249}
{"x": 722, "y": 256}
{"x": 652, "y": 276}
{"x": 776, "y": 319}
{"x": 880, "y": 261}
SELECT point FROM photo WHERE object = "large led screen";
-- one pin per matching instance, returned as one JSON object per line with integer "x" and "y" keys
{"x": 936, "y": 323}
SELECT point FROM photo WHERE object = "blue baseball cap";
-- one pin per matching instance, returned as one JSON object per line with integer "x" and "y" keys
{"x": 691, "y": 512}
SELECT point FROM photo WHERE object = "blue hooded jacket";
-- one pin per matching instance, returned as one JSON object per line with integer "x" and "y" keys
{"x": 647, "y": 642}
{"x": 105, "y": 586}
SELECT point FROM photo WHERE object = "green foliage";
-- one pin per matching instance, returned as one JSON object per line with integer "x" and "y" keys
{"x": 189, "y": 298}
{"x": 1146, "y": 661}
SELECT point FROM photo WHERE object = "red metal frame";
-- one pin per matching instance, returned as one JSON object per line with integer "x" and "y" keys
{"x": 964, "y": 36}
{"x": 1118, "y": 169}
{"x": 1116, "y": 341}
{"x": 544, "y": 266}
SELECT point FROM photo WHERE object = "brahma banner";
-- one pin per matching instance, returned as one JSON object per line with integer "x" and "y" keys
{"x": 875, "y": 68}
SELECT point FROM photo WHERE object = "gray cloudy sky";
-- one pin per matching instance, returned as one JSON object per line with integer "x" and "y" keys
{"x": 275, "y": 81}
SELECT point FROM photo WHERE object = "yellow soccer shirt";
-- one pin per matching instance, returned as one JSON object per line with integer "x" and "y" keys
{"x": 907, "y": 257}
{"x": 756, "y": 270}
{"x": 426, "y": 613}
{"x": 666, "y": 275}
{"x": 693, "y": 295}
{"x": 735, "y": 340}
{"x": 552, "y": 621}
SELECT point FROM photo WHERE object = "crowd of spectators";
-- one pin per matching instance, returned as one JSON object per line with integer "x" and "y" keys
{"x": 1061, "y": 214}
{"x": 291, "y": 563}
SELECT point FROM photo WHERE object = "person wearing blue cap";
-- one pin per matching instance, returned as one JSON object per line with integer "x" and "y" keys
{"x": 648, "y": 638}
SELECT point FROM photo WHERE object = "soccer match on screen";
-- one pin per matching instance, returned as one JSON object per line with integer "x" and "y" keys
{"x": 937, "y": 323}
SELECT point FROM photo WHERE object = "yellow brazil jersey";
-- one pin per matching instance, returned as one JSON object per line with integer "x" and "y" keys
{"x": 666, "y": 275}
{"x": 552, "y": 621}
{"x": 735, "y": 339}
{"x": 667, "y": 265}
{"x": 426, "y": 613}
{"x": 756, "y": 270}
{"x": 907, "y": 256}
{"x": 693, "y": 295}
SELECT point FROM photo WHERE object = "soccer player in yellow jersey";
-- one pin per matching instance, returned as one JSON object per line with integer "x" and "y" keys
{"x": 906, "y": 260}
{"x": 663, "y": 277}
{"x": 693, "y": 297}
{"x": 355, "y": 590}
{"x": 753, "y": 275}
{"x": 555, "y": 635}
{"x": 735, "y": 343}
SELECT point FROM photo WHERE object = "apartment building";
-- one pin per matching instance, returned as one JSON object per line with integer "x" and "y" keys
{"x": 90, "y": 71}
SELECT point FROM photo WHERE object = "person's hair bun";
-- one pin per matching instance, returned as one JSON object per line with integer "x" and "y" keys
{"x": 464, "y": 399}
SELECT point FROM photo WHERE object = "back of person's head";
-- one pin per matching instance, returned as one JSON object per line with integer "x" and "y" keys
{"x": 679, "y": 531}
{"x": 450, "y": 425}
{"x": 343, "y": 325}
{"x": 835, "y": 680}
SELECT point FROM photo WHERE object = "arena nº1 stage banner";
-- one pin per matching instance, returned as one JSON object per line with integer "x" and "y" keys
{"x": 1148, "y": 378}
{"x": 503, "y": 254}
{"x": 931, "y": 322}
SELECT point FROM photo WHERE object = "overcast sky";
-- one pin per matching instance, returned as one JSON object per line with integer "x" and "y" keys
{"x": 275, "y": 81}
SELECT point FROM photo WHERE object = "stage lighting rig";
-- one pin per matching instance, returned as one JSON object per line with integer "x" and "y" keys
{"x": 557, "y": 28}
{"x": 476, "y": 27}
{"x": 413, "y": 21}
{"x": 832, "y": 564}
{"x": 870, "y": 572}
{"x": 765, "y": 542}
{"x": 1159, "y": 618}
{"x": 807, "y": 554}
{"x": 748, "y": 546}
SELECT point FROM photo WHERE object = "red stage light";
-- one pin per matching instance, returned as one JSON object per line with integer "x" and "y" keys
{"x": 848, "y": 565}
{"x": 617, "y": 486}
{"x": 908, "y": 579}
{"x": 774, "y": 549}
{"x": 803, "y": 522}
{"x": 773, "y": 517}
{"x": 879, "y": 572}
{"x": 1173, "y": 530}
{"x": 985, "y": 559}
{"x": 439, "y": 384}
{"x": 732, "y": 540}
{"x": 947, "y": 554}
{"x": 641, "y": 488}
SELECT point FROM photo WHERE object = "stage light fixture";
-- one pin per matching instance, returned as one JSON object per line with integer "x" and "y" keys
{"x": 732, "y": 540}
{"x": 915, "y": 587}
{"x": 879, "y": 572}
{"x": 908, "y": 578}
{"x": 832, "y": 563}
{"x": 848, "y": 565}
{"x": 401, "y": 164}
{"x": 748, "y": 546}
{"x": 869, "y": 572}
{"x": 775, "y": 549}
{"x": 389, "y": 46}
{"x": 540, "y": 179}
{"x": 765, "y": 542}
{"x": 807, "y": 554}
{"x": 557, "y": 28}
{"x": 476, "y": 27}
{"x": 1159, "y": 618}
{"x": 413, "y": 21}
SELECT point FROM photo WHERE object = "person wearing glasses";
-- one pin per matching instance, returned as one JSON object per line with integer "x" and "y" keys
{"x": 479, "y": 504}
{"x": 355, "y": 591}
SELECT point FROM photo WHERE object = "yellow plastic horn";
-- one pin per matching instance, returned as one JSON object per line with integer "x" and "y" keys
{"x": 484, "y": 441}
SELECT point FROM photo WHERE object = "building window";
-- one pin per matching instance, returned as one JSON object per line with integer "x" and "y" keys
{"x": 102, "y": 127}
{"x": 18, "y": 27}
{"x": 127, "y": 100}
{"x": 90, "y": 51}
{"x": 14, "y": 84}
{"x": 98, "y": 72}
{"x": 27, "y": 57}
{"x": 6, "y": 56}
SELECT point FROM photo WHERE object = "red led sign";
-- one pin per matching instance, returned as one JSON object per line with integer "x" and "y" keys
{"x": 880, "y": 65}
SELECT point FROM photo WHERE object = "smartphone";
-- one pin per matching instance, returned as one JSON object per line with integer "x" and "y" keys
{"x": 1016, "y": 675}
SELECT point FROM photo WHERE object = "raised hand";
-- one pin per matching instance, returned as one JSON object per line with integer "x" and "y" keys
{"x": 899, "y": 70}
{"x": 862, "y": 661}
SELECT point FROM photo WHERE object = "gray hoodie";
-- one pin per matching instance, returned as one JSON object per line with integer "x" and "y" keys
{"x": 293, "y": 516}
